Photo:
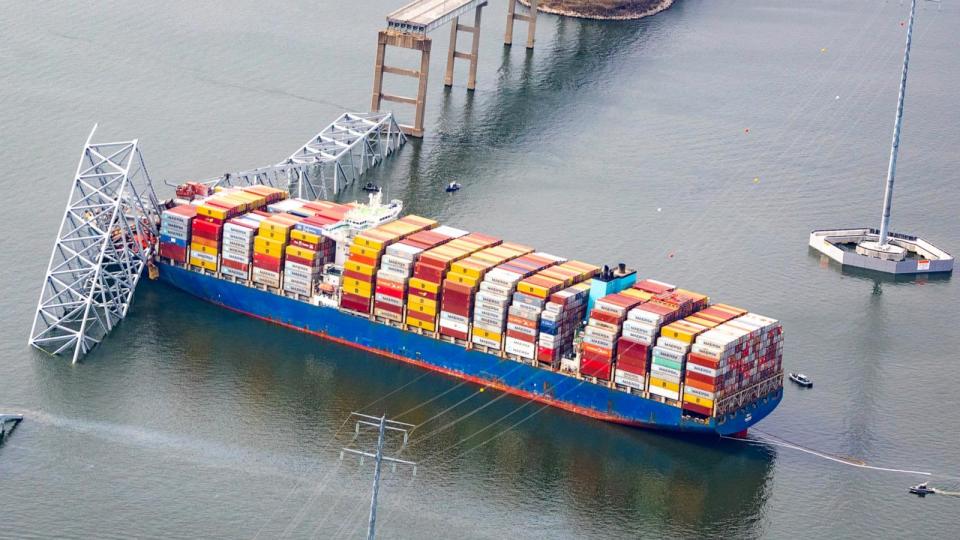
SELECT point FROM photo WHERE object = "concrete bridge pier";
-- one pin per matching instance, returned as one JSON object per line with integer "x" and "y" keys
{"x": 453, "y": 53}
{"x": 530, "y": 19}
{"x": 417, "y": 42}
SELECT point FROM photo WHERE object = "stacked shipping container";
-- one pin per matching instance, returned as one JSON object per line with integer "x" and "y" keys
{"x": 559, "y": 322}
{"x": 424, "y": 294}
{"x": 602, "y": 332}
{"x": 175, "y": 227}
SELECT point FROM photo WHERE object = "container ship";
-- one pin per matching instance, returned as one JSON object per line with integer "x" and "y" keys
{"x": 591, "y": 339}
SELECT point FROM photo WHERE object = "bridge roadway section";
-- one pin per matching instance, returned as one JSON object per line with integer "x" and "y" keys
{"x": 407, "y": 28}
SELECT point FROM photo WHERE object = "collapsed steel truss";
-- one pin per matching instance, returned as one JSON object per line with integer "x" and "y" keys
{"x": 333, "y": 159}
{"x": 101, "y": 249}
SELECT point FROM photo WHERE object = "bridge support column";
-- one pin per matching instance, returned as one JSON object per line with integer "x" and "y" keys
{"x": 417, "y": 42}
{"x": 530, "y": 19}
{"x": 472, "y": 56}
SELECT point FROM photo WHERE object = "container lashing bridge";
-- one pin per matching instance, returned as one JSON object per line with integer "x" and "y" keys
{"x": 407, "y": 28}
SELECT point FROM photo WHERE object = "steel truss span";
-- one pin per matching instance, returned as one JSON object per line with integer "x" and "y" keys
{"x": 331, "y": 160}
{"x": 102, "y": 246}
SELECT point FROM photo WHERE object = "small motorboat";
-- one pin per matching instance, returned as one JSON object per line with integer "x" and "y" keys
{"x": 371, "y": 187}
{"x": 922, "y": 490}
{"x": 453, "y": 186}
{"x": 801, "y": 379}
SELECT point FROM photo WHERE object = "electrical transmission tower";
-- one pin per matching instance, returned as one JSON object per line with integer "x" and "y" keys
{"x": 382, "y": 425}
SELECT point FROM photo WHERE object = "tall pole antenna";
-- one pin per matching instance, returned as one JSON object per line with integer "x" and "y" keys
{"x": 895, "y": 147}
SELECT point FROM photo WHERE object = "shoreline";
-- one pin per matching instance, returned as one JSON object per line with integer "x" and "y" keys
{"x": 661, "y": 6}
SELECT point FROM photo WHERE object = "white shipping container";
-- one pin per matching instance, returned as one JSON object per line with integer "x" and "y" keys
{"x": 453, "y": 317}
{"x": 488, "y": 327}
{"x": 639, "y": 314}
{"x": 668, "y": 353}
{"x": 606, "y": 344}
{"x": 704, "y": 370}
{"x": 385, "y": 299}
{"x": 449, "y": 232}
{"x": 600, "y": 333}
{"x": 520, "y": 348}
{"x": 626, "y": 378}
{"x": 296, "y": 288}
{"x": 504, "y": 278}
{"x": 570, "y": 365}
{"x": 605, "y": 325}
{"x": 403, "y": 251}
{"x": 694, "y": 391}
{"x": 240, "y": 274}
{"x": 492, "y": 299}
{"x": 495, "y": 289}
{"x": 453, "y": 325}
{"x": 610, "y": 308}
{"x": 236, "y": 257}
{"x": 669, "y": 394}
{"x": 663, "y": 372}
{"x": 392, "y": 276}
{"x": 487, "y": 322}
{"x": 681, "y": 347}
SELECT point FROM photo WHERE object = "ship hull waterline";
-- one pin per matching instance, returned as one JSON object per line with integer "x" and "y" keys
{"x": 488, "y": 370}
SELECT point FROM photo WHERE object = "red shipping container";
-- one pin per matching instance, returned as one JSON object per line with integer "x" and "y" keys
{"x": 389, "y": 307}
{"x": 703, "y": 360}
{"x": 453, "y": 333}
{"x": 422, "y": 293}
{"x": 235, "y": 265}
{"x": 699, "y": 409}
{"x": 596, "y": 368}
{"x": 358, "y": 276}
{"x": 267, "y": 262}
{"x": 355, "y": 302}
{"x": 173, "y": 251}
{"x": 597, "y": 351}
{"x": 696, "y": 380}
{"x": 606, "y": 316}
{"x": 593, "y": 356}
{"x": 306, "y": 262}
{"x": 206, "y": 229}
{"x": 521, "y": 336}
{"x": 420, "y": 316}
{"x": 389, "y": 291}
{"x": 429, "y": 273}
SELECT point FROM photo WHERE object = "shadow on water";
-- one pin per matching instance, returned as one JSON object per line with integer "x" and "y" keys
{"x": 290, "y": 391}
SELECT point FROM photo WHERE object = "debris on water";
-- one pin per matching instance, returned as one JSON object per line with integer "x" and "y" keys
{"x": 756, "y": 179}
{"x": 838, "y": 97}
{"x": 823, "y": 50}
{"x": 659, "y": 209}
{"x": 746, "y": 130}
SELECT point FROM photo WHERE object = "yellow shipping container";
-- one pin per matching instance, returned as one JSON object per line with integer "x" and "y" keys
{"x": 304, "y": 236}
{"x": 212, "y": 211}
{"x": 358, "y": 290}
{"x": 457, "y": 277}
{"x": 701, "y": 321}
{"x": 281, "y": 236}
{"x": 204, "y": 249}
{"x": 268, "y": 246}
{"x": 414, "y": 300}
{"x": 426, "y": 325}
{"x": 669, "y": 385}
{"x": 303, "y": 253}
{"x": 423, "y": 308}
{"x": 637, "y": 293}
{"x": 697, "y": 400}
{"x": 685, "y": 332}
{"x": 364, "y": 251}
{"x": 206, "y": 265}
{"x": 486, "y": 334}
{"x": 364, "y": 269}
{"x": 417, "y": 283}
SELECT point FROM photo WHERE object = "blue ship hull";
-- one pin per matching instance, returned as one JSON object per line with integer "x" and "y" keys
{"x": 524, "y": 380}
